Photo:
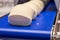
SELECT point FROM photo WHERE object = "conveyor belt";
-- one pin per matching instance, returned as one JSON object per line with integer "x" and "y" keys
{"x": 40, "y": 28}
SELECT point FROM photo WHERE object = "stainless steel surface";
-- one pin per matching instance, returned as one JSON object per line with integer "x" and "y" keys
{"x": 57, "y": 2}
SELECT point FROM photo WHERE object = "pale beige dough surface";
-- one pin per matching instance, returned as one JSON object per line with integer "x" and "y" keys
{"x": 23, "y": 14}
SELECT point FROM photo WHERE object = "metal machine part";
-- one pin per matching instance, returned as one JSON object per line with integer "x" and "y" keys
{"x": 57, "y": 2}
{"x": 56, "y": 29}
{"x": 24, "y": 1}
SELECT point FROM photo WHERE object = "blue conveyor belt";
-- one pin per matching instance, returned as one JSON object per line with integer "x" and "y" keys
{"x": 40, "y": 28}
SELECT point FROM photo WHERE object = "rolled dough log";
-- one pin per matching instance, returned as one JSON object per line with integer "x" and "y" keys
{"x": 20, "y": 15}
{"x": 23, "y": 14}
{"x": 37, "y": 6}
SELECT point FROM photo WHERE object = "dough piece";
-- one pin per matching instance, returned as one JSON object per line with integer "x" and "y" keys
{"x": 5, "y": 7}
{"x": 33, "y": 7}
{"x": 37, "y": 6}
{"x": 4, "y": 11}
{"x": 23, "y": 14}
